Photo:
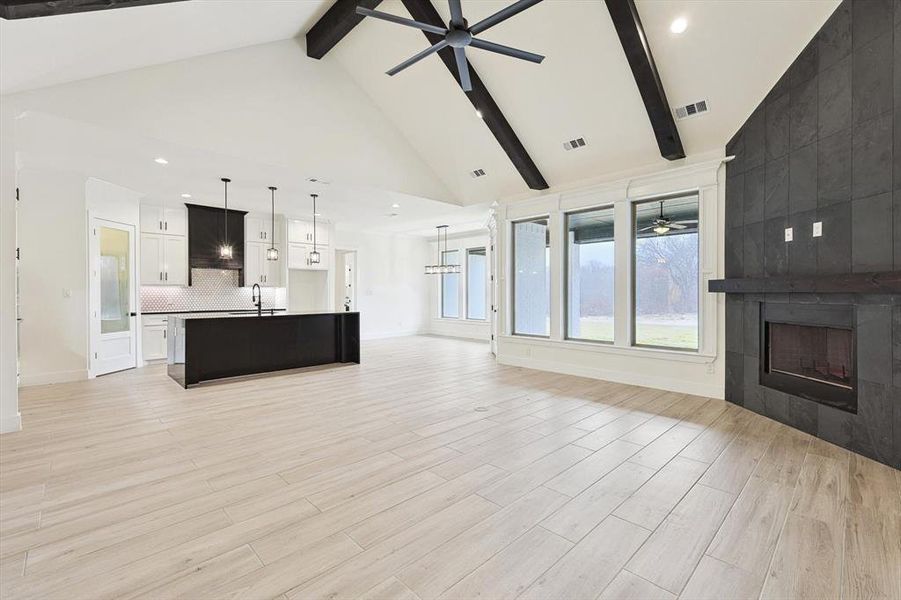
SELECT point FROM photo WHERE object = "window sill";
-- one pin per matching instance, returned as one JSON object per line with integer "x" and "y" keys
{"x": 460, "y": 320}
{"x": 687, "y": 356}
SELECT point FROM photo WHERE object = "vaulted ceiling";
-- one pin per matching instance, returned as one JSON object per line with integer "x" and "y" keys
{"x": 730, "y": 56}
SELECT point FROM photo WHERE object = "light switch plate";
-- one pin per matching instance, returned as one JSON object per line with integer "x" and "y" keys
{"x": 789, "y": 234}
{"x": 818, "y": 229}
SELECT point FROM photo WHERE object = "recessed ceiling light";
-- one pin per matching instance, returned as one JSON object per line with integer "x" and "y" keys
{"x": 186, "y": 195}
{"x": 679, "y": 25}
{"x": 161, "y": 161}
{"x": 395, "y": 205}
{"x": 317, "y": 214}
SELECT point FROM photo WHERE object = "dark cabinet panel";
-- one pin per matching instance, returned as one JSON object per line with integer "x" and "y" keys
{"x": 206, "y": 233}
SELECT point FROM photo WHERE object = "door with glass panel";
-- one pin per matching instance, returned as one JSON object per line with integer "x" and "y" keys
{"x": 112, "y": 292}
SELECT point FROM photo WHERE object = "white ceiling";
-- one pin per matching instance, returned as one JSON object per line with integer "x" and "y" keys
{"x": 275, "y": 113}
{"x": 46, "y": 51}
{"x": 731, "y": 55}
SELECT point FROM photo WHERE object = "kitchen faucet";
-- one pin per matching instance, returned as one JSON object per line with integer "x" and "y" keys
{"x": 256, "y": 296}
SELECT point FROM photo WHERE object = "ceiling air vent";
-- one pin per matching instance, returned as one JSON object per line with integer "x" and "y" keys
{"x": 573, "y": 144}
{"x": 477, "y": 173}
{"x": 691, "y": 110}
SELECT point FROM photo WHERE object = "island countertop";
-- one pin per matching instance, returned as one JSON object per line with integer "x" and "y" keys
{"x": 266, "y": 312}
{"x": 215, "y": 346}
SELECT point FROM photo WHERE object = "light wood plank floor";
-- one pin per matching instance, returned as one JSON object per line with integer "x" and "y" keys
{"x": 430, "y": 472}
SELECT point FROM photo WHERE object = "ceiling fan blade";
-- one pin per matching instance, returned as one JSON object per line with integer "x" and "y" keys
{"x": 463, "y": 69}
{"x": 416, "y": 58}
{"x": 688, "y": 221}
{"x": 502, "y": 15}
{"x": 647, "y": 228}
{"x": 368, "y": 12}
{"x": 456, "y": 12}
{"x": 676, "y": 226}
{"x": 506, "y": 50}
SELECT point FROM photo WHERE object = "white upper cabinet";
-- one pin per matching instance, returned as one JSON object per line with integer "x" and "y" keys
{"x": 164, "y": 259}
{"x": 299, "y": 257}
{"x": 259, "y": 229}
{"x": 163, "y": 219}
{"x": 301, "y": 232}
{"x": 258, "y": 268}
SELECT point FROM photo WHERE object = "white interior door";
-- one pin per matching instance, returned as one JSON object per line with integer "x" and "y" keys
{"x": 112, "y": 283}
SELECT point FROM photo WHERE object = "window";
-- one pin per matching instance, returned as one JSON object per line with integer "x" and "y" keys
{"x": 476, "y": 283}
{"x": 590, "y": 275}
{"x": 450, "y": 288}
{"x": 531, "y": 277}
{"x": 665, "y": 309}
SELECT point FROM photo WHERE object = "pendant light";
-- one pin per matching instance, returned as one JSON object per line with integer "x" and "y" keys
{"x": 225, "y": 250}
{"x": 441, "y": 268}
{"x": 272, "y": 252}
{"x": 314, "y": 255}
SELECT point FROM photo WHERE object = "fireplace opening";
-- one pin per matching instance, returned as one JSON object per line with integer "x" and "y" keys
{"x": 816, "y": 353}
{"x": 810, "y": 352}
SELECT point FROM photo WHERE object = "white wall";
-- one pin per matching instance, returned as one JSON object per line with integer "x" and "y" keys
{"x": 392, "y": 292}
{"x": 9, "y": 401}
{"x": 460, "y": 327}
{"x": 53, "y": 277}
{"x": 701, "y": 372}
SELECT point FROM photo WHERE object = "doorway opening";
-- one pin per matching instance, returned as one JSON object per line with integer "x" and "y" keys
{"x": 345, "y": 280}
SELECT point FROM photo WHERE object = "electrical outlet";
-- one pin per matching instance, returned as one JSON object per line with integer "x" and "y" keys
{"x": 789, "y": 234}
{"x": 818, "y": 229}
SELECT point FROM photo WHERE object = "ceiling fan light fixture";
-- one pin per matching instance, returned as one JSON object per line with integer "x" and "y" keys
{"x": 661, "y": 229}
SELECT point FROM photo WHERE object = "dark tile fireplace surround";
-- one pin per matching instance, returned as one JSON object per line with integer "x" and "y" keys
{"x": 824, "y": 146}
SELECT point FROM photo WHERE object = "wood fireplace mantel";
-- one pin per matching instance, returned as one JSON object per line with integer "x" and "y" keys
{"x": 884, "y": 282}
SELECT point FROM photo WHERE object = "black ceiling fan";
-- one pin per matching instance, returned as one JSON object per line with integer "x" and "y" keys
{"x": 662, "y": 224}
{"x": 458, "y": 35}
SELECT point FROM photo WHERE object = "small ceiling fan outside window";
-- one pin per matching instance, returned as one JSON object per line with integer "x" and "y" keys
{"x": 663, "y": 225}
{"x": 458, "y": 35}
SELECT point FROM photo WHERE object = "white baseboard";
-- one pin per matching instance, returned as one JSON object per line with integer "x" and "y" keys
{"x": 53, "y": 377}
{"x": 388, "y": 334}
{"x": 643, "y": 379}
{"x": 11, "y": 424}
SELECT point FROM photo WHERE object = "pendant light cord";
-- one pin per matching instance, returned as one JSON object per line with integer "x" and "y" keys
{"x": 314, "y": 222}
{"x": 226, "y": 180}
{"x": 272, "y": 189}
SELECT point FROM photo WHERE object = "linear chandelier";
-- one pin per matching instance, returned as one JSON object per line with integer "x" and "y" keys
{"x": 441, "y": 268}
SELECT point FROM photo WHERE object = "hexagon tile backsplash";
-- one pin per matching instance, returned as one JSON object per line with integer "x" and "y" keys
{"x": 212, "y": 289}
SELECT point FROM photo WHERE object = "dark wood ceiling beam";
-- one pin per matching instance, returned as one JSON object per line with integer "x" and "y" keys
{"x": 638, "y": 52}
{"x": 28, "y": 9}
{"x": 336, "y": 23}
{"x": 423, "y": 10}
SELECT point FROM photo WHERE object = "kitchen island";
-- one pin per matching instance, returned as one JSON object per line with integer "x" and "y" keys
{"x": 204, "y": 347}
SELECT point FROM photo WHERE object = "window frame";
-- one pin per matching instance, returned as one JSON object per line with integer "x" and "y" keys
{"x": 513, "y": 223}
{"x": 441, "y": 277}
{"x": 633, "y": 276}
{"x": 466, "y": 294}
{"x": 566, "y": 273}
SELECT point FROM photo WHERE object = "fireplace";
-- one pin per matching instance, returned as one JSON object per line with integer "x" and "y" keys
{"x": 810, "y": 351}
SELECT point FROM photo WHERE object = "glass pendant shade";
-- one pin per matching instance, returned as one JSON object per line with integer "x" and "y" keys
{"x": 314, "y": 258}
{"x": 225, "y": 251}
{"x": 272, "y": 254}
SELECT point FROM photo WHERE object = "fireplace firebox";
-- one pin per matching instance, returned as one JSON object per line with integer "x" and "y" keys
{"x": 810, "y": 351}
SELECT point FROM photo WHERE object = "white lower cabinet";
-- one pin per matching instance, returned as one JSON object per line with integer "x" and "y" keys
{"x": 164, "y": 259}
{"x": 153, "y": 337}
{"x": 259, "y": 269}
